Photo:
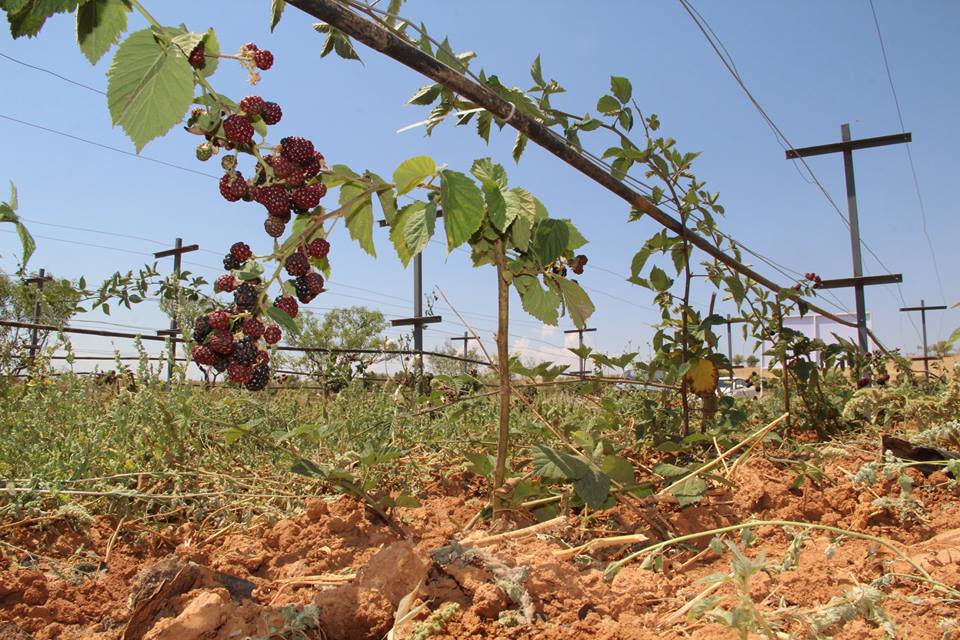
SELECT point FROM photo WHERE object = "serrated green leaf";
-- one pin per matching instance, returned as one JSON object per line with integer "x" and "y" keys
{"x": 690, "y": 491}
{"x": 593, "y": 488}
{"x": 556, "y": 465}
{"x": 149, "y": 87}
{"x": 489, "y": 173}
{"x": 575, "y": 239}
{"x": 413, "y": 228}
{"x": 659, "y": 279}
{"x": 276, "y": 12}
{"x": 536, "y": 72}
{"x": 496, "y": 207}
{"x": 551, "y": 240}
{"x": 27, "y": 17}
{"x": 27, "y": 243}
{"x": 578, "y": 303}
{"x": 542, "y": 304}
{"x": 520, "y": 203}
{"x": 519, "y": 144}
{"x": 425, "y": 95}
{"x": 484, "y": 120}
{"x": 100, "y": 24}
{"x": 608, "y": 105}
{"x": 463, "y": 207}
{"x": 412, "y": 172}
{"x": 621, "y": 88}
{"x": 359, "y": 215}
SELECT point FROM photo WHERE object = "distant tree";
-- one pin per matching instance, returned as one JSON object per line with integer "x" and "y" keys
{"x": 448, "y": 366}
{"x": 58, "y": 303}
{"x": 942, "y": 349}
{"x": 738, "y": 360}
{"x": 752, "y": 360}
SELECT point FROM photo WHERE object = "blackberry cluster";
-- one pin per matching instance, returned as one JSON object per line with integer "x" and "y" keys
{"x": 579, "y": 263}
{"x": 815, "y": 279}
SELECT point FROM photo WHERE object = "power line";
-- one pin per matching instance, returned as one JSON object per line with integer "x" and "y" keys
{"x": 53, "y": 73}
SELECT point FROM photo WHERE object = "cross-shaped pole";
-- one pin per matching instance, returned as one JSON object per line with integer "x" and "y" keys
{"x": 847, "y": 147}
{"x": 583, "y": 361}
{"x": 465, "y": 339}
{"x": 923, "y": 308}
{"x": 38, "y": 280}
{"x": 177, "y": 251}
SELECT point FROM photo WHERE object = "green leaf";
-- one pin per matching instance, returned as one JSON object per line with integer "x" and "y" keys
{"x": 520, "y": 204}
{"x": 690, "y": 491}
{"x": 551, "y": 240}
{"x": 593, "y": 488}
{"x": 484, "y": 120}
{"x": 211, "y": 48}
{"x": 576, "y": 239}
{"x": 304, "y": 467}
{"x": 608, "y": 105}
{"x": 412, "y": 172}
{"x": 425, "y": 95}
{"x": 387, "y": 197}
{"x": 12, "y": 202}
{"x": 276, "y": 11}
{"x": 578, "y": 303}
{"x": 618, "y": 468}
{"x": 519, "y": 144}
{"x": 551, "y": 464}
{"x": 489, "y": 173}
{"x": 621, "y": 88}
{"x": 462, "y": 207}
{"x": 27, "y": 243}
{"x": 149, "y": 87}
{"x": 496, "y": 207}
{"x": 659, "y": 279}
{"x": 99, "y": 26}
{"x": 359, "y": 216}
{"x": 412, "y": 229}
{"x": 480, "y": 463}
{"x": 281, "y": 317}
{"x": 27, "y": 17}
{"x": 536, "y": 72}
{"x": 542, "y": 304}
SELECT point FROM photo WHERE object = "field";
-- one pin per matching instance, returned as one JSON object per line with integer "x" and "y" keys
{"x": 155, "y": 512}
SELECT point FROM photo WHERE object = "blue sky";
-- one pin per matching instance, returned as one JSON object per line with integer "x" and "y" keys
{"x": 812, "y": 66}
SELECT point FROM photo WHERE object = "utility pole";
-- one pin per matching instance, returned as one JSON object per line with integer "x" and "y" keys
{"x": 847, "y": 147}
{"x": 418, "y": 319}
{"x": 465, "y": 339}
{"x": 923, "y": 308}
{"x": 177, "y": 251}
{"x": 583, "y": 361}
{"x": 38, "y": 280}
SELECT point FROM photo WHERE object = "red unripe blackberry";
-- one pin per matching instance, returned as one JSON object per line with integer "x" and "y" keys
{"x": 233, "y": 186}
{"x": 225, "y": 283}
{"x": 245, "y": 297}
{"x": 272, "y": 334}
{"x": 252, "y": 328}
{"x": 271, "y": 113}
{"x": 286, "y": 304}
{"x": 297, "y": 264}
{"x": 274, "y": 198}
{"x": 238, "y": 129}
{"x": 578, "y": 269}
{"x": 307, "y": 197}
{"x": 274, "y": 226}
{"x": 201, "y": 329}
{"x": 297, "y": 149}
{"x": 263, "y": 59}
{"x": 249, "y": 48}
{"x": 197, "y": 57}
{"x": 241, "y": 251}
{"x": 283, "y": 217}
{"x": 282, "y": 167}
{"x": 218, "y": 320}
{"x": 314, "y": 282}
{"x": 259, "y": 378}
{"x": 252, "y": 105}
{"x": 239, "y": 373}
{"x": 203, "y": 355}
{"x": 581, "y": 260}
{"x": 318, "y": 248}
{"x": 222, "y": 343}
{"x": 263, "y": 357}
{"x": 245, "y": 352}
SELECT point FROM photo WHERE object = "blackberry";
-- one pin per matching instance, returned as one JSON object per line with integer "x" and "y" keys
{"x": 245, "y": 352}
{"x": 274, "y": 198}
{"x": 245, "y": 297}
{"x": 314, "y": 283}
{"x": 318, "y": 248}
{"x": 203, "y": 355}
{"x": 297, "y": 149}
{"x": 272, "y": 334}
{"x": 312, "y": 167}
{"x": 241, "y": 251}
{"x": 307, "y": 197}
{"x": 263, "y": 357}
{"x": 233, "y": 186}
{"x": 197, "y": 57}
{"x": 201, "y": 329}
{"x": 204, "y": 151}
{"x": 221, "y": 363}
{"x": 274, "y": 226}
{"x": 218, "y": 320}
{"x": 263, "y": 59}
{"x": 225, "y": 283}
{"x": 297, "y": 264}
{"x": 252, "y": 328}
{"x": 230, "y": 263}
{"x": 222, "y": 343}
{"x": 286, "y": 304}
{"x": 259, "y": 378}
{"x": 282, "y": 167}
{"x": 238, "y": 129}
{"x": 581, "y": 260}
{"x": 252, "y": 105}
{"x": 249, "y": 48}
{"x": 303, "y": 290}
{"x": 239, "y": 373}
{"x": 577, "y": 269}
{"x": 283, "y": 217}
{"x": 271, "y": 113}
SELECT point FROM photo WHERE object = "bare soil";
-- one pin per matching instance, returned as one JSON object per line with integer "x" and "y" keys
{"x": 59, "y": 581}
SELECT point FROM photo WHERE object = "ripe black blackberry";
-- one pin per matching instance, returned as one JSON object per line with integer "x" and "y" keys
{"x": 230, "y": 263}
{"x": 297, "y": 264}
{"x": 314, "y": 282}
{"x": 245, "y": 297}
{"x": 297, "y": 149}
{"x": 259, "y": 378}
{"x": 245, "y": 352}
{"x": 271, "y": 113}
{"x": 221, "y": 364}
{"x": 303, "y": 290}
{"x": 201, "y": 329}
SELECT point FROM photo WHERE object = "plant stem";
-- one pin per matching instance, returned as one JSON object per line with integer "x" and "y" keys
{"x": 503, "y": 369}
{"x": 146, "y": 14}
